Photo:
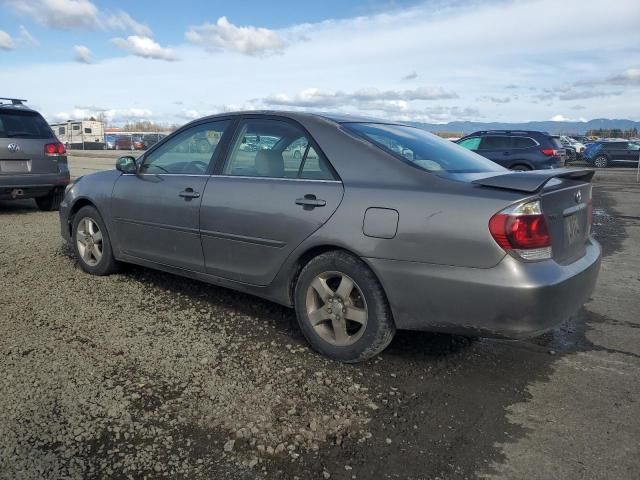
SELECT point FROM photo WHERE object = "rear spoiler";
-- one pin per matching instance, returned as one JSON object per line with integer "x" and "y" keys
{"x": 534, "y": 181}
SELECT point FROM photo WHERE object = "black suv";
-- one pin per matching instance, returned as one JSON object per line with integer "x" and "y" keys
{"x": 604, "y": 153}
{"x": 33, "y": 163}
{"x": 517, "y": 149}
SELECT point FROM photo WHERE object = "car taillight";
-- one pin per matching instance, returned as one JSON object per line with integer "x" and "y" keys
{"x": 54, "y": 149}
{"x": 522, "y": 230}
{"x": 550, "y": 152}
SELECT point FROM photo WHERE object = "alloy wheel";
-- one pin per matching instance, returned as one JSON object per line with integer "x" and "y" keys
{"x": 89, "y": 241}
{"x": 336, "y": 308}
{"x": 600, "y": 162}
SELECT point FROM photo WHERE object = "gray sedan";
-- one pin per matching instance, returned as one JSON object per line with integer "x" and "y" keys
{"x": 374, "y": 227}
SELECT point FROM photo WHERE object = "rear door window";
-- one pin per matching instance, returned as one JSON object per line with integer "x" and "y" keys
{"x": 275, "y": 149}
{"x": 21, "y": 124}
{"x": 495, "y": 142}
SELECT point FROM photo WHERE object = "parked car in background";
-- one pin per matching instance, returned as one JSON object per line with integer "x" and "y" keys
{"x": 150, "y": 139}
{"x": 110, "y": 142}
{"x": 579, "y": 147}
{"x": 33, "y": 162}
{"x": 517, "y": 149}
{"x": 128, "y": 142}
{"x": 360, "y": 238}
{"x": 605, "y": 153}
{"x": 581, "y": 139}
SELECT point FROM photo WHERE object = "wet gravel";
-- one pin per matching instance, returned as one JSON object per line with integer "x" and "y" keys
{"x": 148, "y": 375}
{"x": 124, "y": 378}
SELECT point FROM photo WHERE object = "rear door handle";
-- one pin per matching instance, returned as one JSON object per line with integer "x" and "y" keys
{"x": 309, "y": 202}
{"x": 188, "y": 193}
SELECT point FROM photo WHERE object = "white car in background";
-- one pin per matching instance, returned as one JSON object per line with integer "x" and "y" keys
{"x": 577, "y": 146}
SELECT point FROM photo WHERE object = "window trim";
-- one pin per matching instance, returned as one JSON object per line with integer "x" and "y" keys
{"x": 219, "y": 170}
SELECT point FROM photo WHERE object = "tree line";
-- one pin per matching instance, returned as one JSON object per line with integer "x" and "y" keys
{"x": 613, "y": 133}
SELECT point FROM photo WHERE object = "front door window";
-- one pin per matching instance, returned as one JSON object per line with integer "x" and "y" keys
{"x": 189, "y": 152}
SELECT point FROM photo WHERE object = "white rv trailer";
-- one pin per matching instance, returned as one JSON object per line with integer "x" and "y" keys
{"x": 80, "y": 134}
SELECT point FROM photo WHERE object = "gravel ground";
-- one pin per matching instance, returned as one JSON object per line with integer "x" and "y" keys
{"x": 147, "y": 375}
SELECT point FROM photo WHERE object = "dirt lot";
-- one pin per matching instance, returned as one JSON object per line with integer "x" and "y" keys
{"x": 148, "y": 375}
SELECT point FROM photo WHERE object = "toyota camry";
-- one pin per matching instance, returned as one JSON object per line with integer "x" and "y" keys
{"x": 363, "y": 226}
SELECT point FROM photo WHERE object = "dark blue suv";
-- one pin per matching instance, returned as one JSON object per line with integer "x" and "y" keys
{"x": 517, "y": 149}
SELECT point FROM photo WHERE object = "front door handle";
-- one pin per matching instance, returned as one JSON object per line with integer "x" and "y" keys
{"x": 309, "y": 202}
{"x": 188, "y": 193}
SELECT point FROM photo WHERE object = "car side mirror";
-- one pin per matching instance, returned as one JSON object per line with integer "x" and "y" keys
{"x": 126, "y": 164}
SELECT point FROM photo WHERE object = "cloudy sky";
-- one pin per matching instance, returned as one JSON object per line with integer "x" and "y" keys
{"x": 433, "y": 61}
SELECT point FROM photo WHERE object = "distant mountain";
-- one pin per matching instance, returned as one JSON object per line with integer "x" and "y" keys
{"x": 545, "y": 126}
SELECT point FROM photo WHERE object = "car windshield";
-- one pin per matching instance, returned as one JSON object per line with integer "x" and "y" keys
{"x": 23, "y": 124}
{"x": 423, "y": 149}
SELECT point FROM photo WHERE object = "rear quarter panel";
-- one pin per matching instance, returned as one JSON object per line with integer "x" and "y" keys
{"x": 441, "y": 226}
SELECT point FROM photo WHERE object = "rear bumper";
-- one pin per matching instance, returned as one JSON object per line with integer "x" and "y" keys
{"x": 513, "y": 299}
{"x": 32, "y": 185}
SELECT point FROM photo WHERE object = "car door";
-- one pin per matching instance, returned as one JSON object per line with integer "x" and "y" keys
{"x": 156, "y": 212}
{"x": 496, "y": 148}
{"x": 265, "y": 200}
{"x": 631, "y": 153}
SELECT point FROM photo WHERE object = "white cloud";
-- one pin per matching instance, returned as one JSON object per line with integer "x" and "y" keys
{"x": 559, "y": 118}
{"x": 343, "y": 56}
{"x": 112, "y": 115}
{"x": 224, "y": 35}
{"x": 82, "y": 54}
{"x": 76, "y": 14}
{"x": 365, "y": 99}
{"x": 25, "y": 37}
{"x": 144, "y": 47}
{"x": 123, "y": 21}
{"x": 629, "y": 77}
{"x": 6, "y": 42}
{"x": 412, "y": 76}
{"x": 59, "y": 14}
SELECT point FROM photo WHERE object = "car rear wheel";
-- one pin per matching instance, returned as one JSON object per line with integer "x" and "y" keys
{"x": 601, "y": 161}
{"x": 50, "y": 202}
{"x": 92, "y": 244}
{"x": 342, "y": 309}
{"x": 520, "y": 168}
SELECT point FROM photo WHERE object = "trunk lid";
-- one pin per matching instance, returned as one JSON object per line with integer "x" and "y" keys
{"x": 23, "y": 135}
{"x": 567, "y": 209}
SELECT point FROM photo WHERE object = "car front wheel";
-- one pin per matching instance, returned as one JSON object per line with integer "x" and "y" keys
{"x": 601, "y": 161}
{"x": 342, "y": 309}
{"x": 92, "y": 244}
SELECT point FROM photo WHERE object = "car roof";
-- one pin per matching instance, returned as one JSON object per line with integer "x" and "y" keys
{"x": 337, "y": 118}
{"x": 508, "y": 132}
{"x": 15, "y": 107}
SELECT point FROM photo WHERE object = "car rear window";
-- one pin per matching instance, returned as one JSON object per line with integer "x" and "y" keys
{"x": 523, "y": 142}
{"x": 557, "y": 144}
{"x": 422, "y": 149}
{"x": 18, "y": 124}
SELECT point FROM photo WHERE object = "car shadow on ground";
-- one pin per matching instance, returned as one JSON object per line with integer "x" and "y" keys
{"x": 17, "y": 206}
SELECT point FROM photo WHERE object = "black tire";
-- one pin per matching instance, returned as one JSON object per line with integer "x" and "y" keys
{"x": 380, "y": 327}
{"x": 107, "y": 264}
{"x": 50, "y": 202}
{"x": 520, "y": 168}
{"x": 601, "y": 161}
